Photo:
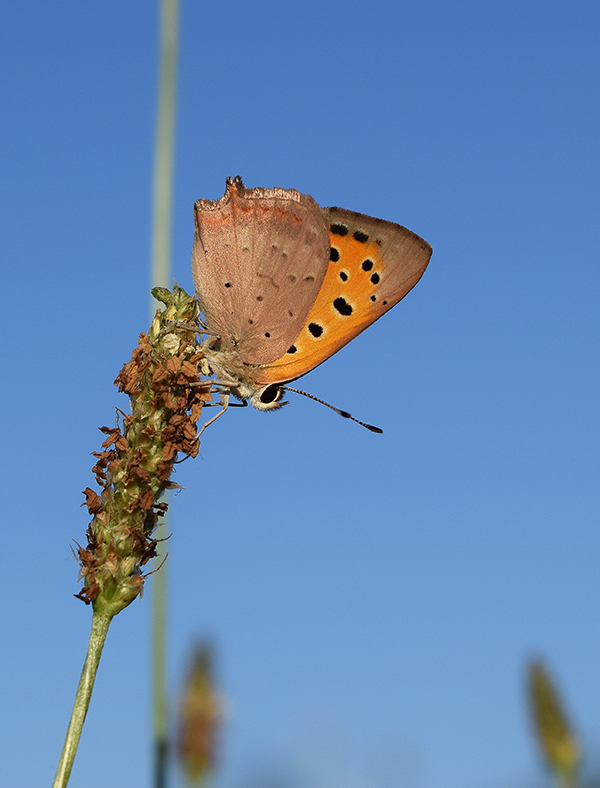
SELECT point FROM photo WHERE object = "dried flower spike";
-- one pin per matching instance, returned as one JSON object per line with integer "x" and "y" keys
{"x": 136, "y": 459}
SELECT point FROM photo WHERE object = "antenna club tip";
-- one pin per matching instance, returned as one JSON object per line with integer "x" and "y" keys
{"x": 343, "y": 413}
{"x": 374, "y": 429}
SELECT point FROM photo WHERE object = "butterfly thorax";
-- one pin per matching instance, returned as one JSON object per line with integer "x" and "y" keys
{"x": 239, "y": 378}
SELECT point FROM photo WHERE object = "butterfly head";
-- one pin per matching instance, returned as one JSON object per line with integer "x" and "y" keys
{"x": 235, "y": 378}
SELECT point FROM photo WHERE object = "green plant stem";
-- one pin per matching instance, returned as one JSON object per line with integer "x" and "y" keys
{"x": 161, "y": 277}
{"x": 566, "y": 780}
{"x": 159, "y": 669}
{"x": 165, "y": 148}
{"x": 100, "y": 623}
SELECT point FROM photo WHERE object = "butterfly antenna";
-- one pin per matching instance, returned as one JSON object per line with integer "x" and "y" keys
{"x": 343, "y": 413}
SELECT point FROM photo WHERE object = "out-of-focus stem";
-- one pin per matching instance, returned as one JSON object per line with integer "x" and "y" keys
{"x": 165, "y": 146}
{"x": 161, "y": 277}
{"x": 159, "y": 671}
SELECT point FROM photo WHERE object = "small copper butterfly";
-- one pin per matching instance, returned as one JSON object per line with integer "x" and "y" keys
{"x": 284, "y": 284}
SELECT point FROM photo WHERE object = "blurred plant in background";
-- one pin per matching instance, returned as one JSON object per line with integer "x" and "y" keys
{"x": 200, "y": 715}
{"x": 558, "y": 743}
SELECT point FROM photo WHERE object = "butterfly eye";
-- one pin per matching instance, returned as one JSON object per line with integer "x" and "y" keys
{"x": 267, "y": 398}
{"x": 270, "y": 394}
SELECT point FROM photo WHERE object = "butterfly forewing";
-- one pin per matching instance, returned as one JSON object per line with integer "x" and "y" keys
{"x": 259, "y": 259}
{"x": 373, "y": 265}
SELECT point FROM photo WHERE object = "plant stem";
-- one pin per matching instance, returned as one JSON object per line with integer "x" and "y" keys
{"x": 165, "y": 147}
{"x": 568, "y": 780}
{"x": 100, "y": 623}
{"x": 161, "y": 277}
{"x": 159, "y": 670}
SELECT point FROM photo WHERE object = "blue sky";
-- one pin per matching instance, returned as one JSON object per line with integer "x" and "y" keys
{"x": 373, "y": 598}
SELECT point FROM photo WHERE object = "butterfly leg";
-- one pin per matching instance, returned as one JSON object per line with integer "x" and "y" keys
{"x": 224, "y": 400}
{"x": 195, "y": 328}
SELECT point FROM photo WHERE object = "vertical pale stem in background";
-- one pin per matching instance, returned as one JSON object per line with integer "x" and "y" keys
{"x": 161, "y": 277}
{"x": 165, "y": 147}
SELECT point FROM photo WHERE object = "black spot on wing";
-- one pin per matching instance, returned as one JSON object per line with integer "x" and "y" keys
{"x": 339, "y": 229}
{"x": 343, "y": 307}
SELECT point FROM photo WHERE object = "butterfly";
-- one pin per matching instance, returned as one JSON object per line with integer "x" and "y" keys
{"x": 284, "y": 284}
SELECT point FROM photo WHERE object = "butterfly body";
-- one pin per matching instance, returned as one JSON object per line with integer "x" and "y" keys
{"x": 284, "y": 284}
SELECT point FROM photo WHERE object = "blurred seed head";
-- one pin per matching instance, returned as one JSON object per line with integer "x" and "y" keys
{"x": 557, "y": 740}
{"x": 200, "y": 716}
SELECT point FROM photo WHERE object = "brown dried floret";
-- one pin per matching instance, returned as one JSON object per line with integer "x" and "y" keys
{"x": 92, "y": 501}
